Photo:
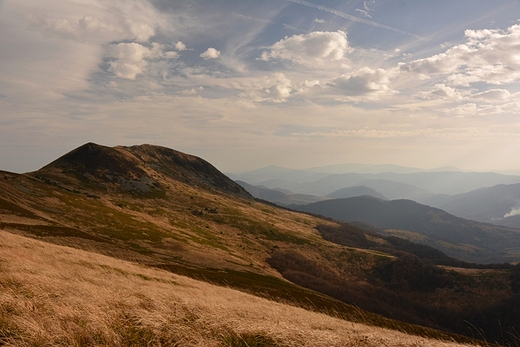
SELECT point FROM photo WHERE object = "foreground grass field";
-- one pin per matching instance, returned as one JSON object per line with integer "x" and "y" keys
{"x": 58, "y": 296}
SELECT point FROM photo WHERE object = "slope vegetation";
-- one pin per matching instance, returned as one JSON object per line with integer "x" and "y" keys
{"x": 169, "y": 210}
{"x": 59, "y": 296}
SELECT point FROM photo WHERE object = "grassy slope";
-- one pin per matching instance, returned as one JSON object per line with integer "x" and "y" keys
{"x": 202, "y": 233}
{"x": 59, "y": 296}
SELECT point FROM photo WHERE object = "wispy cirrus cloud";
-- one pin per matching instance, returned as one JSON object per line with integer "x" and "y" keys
{"x": 350, "y": 17}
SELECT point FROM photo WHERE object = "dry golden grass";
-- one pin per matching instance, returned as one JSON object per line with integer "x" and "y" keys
{"x": 58, "y": 296}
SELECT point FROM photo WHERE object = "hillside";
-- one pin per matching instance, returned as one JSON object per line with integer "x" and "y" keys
{"x": 169, "y": 210}
{"x": 60, "y": 296}
{"x": 457, "y": 237}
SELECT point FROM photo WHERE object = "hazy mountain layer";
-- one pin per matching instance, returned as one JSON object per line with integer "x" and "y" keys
{"x": 419, "y": 185}
{"x": 351, "y": 192}
{"x": 458, "y": 237}
{"x": 279, "y": 197}
{"x": 498, "y": 205}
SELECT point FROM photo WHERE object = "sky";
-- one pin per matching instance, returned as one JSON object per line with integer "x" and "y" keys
{"x": 250, "y": 83}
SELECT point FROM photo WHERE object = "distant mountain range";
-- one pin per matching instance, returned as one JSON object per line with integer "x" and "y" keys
{"x": 424, "y": 183}
{"x": 499, "y": 204}
{"x": 453, "y": 235}
{"x": 451, "y": 223}
{"x": 485, "y": 197}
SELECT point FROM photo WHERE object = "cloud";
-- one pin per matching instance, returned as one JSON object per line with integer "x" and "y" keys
{"x": 276, "y": 88}
{"x": 489, "y": 56}
{"x": 57, "y": 47}
{"x": 129, "y": 59}
{"x": 350, "y": 17}
{"x": 388, "y": 131}
{"x": 180, "y": 46}
{"x": 363, "y": 82}
{"x": 141, "y": 31}
{"x": 470, "y": 110}
{"x": 95, "y": 21}
{"x": 193, "y": 91}
{"x": 317, "y": 47}
{"x": 210, "y": 53}
{"x": 493, "y": 95}
{"x": 363, "y": 12}
{"x": 441, "y": 91}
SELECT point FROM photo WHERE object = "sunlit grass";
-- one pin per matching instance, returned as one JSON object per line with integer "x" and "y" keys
{"x": 58, "y": 296}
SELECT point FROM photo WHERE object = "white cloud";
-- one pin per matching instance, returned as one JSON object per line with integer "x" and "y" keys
{"x": 489, "y": 56}
{"x": 493, "y": 95}
{"x": 308, "y": 84}
{"x": 93, "y": 20}
{"x": 363, "y": 82}
{"x": 210, "y": 53}
{"x": 141, "y": 31}
{"x": 171, "y": 55}
{"x": 56, "y": 46}
{"x": 193, "y": 91}
{"x": 180, "y": 46}
{"x": 276, "y": 88}
{"x": 471, "y": 110}
{"x": 129, "y": 59}
{"x": 441, "y": 91}
{"x": 317, "y": 47}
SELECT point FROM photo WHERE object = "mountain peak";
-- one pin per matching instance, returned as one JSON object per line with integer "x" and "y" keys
{"x": 134, "y": 168}
{"x": 97, "y": 160}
